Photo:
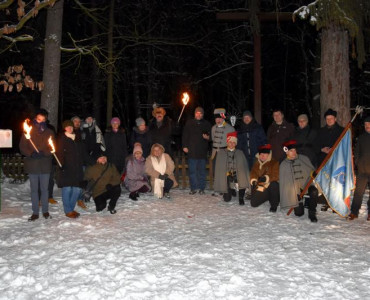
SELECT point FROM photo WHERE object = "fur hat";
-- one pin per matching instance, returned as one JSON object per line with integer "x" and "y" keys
{"x": 158, "y": 110}
{"x": 115, "y": 120}
{"x": 220, "y": 113}
{"x": 247, "y": 113}
{"x": 200, "y": 109}
{"x": 291, "y": 144}
{"x": 139, "y": 121}
{"x": 67, "y": 123}
{"x": 264, "y": 148}
{"x": 232, "y": 136}
{"x": 302, "y": 117}
{"x": 330, "y": 112}
{"x": 137, "y": 148}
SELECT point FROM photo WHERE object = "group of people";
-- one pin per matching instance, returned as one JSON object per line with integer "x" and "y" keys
{"x": 247, "y": 163}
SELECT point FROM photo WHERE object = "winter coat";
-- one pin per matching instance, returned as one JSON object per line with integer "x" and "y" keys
{"x": 111, "y": 176}
{"x": 221, "y": 169}
{"x": 71, "y": 155}
{"x": 269, "y": 168}
{"x": 293, "y": 176}
{"x": 163, "y": 134}
{"x": 39, "y": 165}
{"x": 192, "y": 138}
{"x": 135, "y": 174}
{"x": 250, "y": 137}
{"x": 306, "y": 138}
{"x": 93, "y": 140}
{"x": 326, "y": 137}
{"x": 170, "y": 167}
{"x": 219, "y": 135}
{"x": 362, "y": 154}
{"x": 141, "y": 137}
{"x": 116, "y": 147}
{"x": 277, "y": 135}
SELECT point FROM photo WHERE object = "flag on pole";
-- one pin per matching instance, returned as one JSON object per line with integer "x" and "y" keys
{"x": 336, "y": 178}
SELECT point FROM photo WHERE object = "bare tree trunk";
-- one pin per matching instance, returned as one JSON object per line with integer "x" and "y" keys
{"x": 51, "y": 72}
{"x": 335, "y": 86}
{"x": 110, "y": 67}
{"x": 96, "y": 99}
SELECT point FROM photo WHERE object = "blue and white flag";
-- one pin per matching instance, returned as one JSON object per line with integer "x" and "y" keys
{"x": 336, "y": 178}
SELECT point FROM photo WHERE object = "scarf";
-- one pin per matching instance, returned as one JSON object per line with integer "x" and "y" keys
{"x": 70, "y": 135}
{"x": 159, "y": 166}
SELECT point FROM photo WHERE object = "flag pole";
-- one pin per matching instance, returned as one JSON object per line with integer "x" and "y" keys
{"x": 359, "y": 110}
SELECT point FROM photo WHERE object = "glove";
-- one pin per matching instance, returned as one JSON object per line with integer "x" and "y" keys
{"x": 162, "y": 177}
{"x": 262, "y": 179}
{"x": 108, "y": 186}
{"x": 37, "y": 154}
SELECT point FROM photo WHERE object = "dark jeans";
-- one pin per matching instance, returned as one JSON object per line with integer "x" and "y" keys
{"x": 361, "y": 181}
{"x": 112, "y": 194}
{"x": 197, "y": 173}
{"x": 271, "y": 194}
{"x": 39, "y": 192}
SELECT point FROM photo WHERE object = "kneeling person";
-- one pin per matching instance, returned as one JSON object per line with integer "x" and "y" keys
{"x": 107, "y": 184}
{"x": 294, "y": 173}
{"x": 265, "y": 179}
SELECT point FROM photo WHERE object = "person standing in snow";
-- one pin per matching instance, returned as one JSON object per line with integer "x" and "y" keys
{"x": 160, "y": 166}
{"x": 362, "y": 161}
{"x": 231, "y": 171}
{"x": 140, "y": 134}
{"x": 279, "y": 131}
{"x": 136, "y": 181}
{"x": 265, "y": 179}
{"x": 93, "y": 138}
{"x": 195, "y": 139}
{"x": 250, "y": 136}
{"x": 116, "y": 145}
{"x": 294, "y": 173}
{"x": 107, "y": 184}
{"x": 38, "y": 164}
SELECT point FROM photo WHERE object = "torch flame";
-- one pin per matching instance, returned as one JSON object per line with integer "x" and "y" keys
{"x": 185, "y": 98}
{"x": 51, "y": 145}
{"x": 27, "y": 129}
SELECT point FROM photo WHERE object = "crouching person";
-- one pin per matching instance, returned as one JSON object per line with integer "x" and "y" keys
{"x": 265, "y": 179}
{"x": 106, "y": 184}
{"x": 136, "y": 181}
{"x": 294, "y": 173}
{"x": 231, "y": 170}
{"x": 160, "y": 166}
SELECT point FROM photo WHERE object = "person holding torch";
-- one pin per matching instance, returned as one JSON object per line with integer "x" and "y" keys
{"x": 37, "y": 162}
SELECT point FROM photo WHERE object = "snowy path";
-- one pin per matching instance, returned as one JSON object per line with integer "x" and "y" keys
{"x": 190, "y": 247}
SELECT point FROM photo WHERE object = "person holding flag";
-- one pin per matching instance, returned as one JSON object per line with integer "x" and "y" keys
{"x": 362, "y": 161}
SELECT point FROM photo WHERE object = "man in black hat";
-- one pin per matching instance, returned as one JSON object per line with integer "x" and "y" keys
{"x": 362, "y": 160}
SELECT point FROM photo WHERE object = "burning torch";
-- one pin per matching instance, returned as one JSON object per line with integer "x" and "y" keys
{"x": 53, "y": 151}
{"x": 185, "y": 99}
{"x": 27, "y": 131}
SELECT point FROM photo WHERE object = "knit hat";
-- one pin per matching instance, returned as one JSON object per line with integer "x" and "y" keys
{"x": 137, "y": 148}
{"x": 264, "y": 148}
{"x": 115, "y": 120}
{"x": 247, "y": 113}
{"x": 157, "y": 110}
{"x": 67, "y": 123}
{"x": 330, "y": 112}
{"x": 199, "y": 109}
{"x": 220, "y": 113}
{"x": 139, "y": 121}
{"x": 302, "y": 117}
{"x": 291, "y": 144}
{"x": 232, "y": 136}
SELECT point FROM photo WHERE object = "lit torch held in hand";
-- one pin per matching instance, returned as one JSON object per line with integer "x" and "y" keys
{"x": 53, "y": 151}
{"x": 185, "y": 99}
{"x": 27, "y": 133}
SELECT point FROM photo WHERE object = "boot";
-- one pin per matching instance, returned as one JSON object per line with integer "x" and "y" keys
{"x": 133, "y": 196}
{"x": 47, "y": 215}
{"x": 81, "y": 204}
{"x": 52, "y": 201}
{"x": 312, "y": 216}
{"x": 299, "y": 210}
{"x": 33, "y": 217}
{"x": 112, "y": 211}
{"x": 241, "y": 196}
{"x": 71, "y": 215}
{"x": 325, "y": 207}
{"x": 352, "y": 216}
{"x": 273, "y": 209}
{"x": 368, "y": 217}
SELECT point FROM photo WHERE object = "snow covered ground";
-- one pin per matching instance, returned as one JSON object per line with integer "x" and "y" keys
{"x": 189, "y": 247}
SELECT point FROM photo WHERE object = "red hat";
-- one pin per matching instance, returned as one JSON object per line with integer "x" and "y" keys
{"x": 232, "y": 136}
{"x": 264, "y": 148}
{"x": 292, "y": 144}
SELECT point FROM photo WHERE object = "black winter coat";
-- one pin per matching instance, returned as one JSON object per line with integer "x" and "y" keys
{"x": 143, "y": 138}
{"x": 362, "y": 154}
{"x": 72, "y": 156}
{"x": 306, "y": 138}
{"x": 277, "y": 135}
{"x": 326, "y": 137}
{"x": 163, "y": 134}
{"x": 116, "y": 148}
{"x": 192, "y": 138}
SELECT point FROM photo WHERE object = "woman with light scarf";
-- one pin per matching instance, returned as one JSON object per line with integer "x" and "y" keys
{"x": 160, "y": 166}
